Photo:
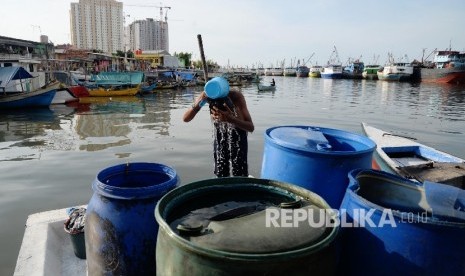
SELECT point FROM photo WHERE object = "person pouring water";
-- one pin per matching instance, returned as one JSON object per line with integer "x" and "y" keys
{"x": 232, "y": 122}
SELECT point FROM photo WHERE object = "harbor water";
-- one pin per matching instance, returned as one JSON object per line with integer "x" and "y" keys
{"x": 50, "y": 157}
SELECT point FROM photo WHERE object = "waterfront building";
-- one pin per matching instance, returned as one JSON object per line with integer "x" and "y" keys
{"x": 30, "y": 55}
{"x": 97, "y": 24}
{"x": 157, "y": 58}
{"x": 149, "y": 35}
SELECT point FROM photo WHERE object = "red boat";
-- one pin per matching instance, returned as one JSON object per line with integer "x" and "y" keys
{"x": 79, "y": 91}
{"x": 447, "y": 67}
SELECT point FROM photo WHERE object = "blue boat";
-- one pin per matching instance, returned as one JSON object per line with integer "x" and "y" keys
{"x": 353, "y": 70}
{"x": 148, "y": 88}
{"x": 331, "y": 71}
{"x": 14, "y": 92}
{"x": 403, "y": 156}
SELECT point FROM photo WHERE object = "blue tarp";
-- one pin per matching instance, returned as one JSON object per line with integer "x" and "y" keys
{"x": 12, "y": 73}
{"x": 183, "y": 75}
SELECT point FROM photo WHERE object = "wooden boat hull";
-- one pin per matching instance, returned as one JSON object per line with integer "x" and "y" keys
{"x": 262, "y": 87}
{"x": 101, "y": 92}
{"x": 64, "y": 96}
{"x": 38, "y": 98}
{"x": 148, "y": 89}
{"x": 79, "y": 91}
{"x": 402, "y": 156}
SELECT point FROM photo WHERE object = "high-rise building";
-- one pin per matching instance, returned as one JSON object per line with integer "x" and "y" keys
{"x": 97, "y": 24}
{"x": 149, "y": 34}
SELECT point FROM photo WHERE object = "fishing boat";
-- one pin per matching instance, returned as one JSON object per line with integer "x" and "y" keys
{"x": 403, "y": 156}
{"x": 396, "y": 71}
{"x": 333, "y": 70}
{"x": 290, "y": 72}
{"x": 315, "y": 71}
{"x": 78, "y": 91}
{"x": 63, "y": 96}
{"x": 111, "y": 84}
{"x": 277, "y": 71}
{"x": 113, "y": 91}
{"x": 302, "y": 71}
{"x": 148, "y": 88}
{"x": 353, "y": 70}
{"x": 370, "y": 72}
{"x": 16, "y": 91}
{"x": 447, "y": 67}
{"x": 166, "y": 85}
{"x": 264, "y": 87}
{"x": 38, "y": 98}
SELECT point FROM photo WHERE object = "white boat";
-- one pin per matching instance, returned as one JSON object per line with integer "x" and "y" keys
{"x": 401, "y": 155}
{"x": 290, "y": 72}
{"x": 333, "y": 70}
{"x": 277, "y": 71}
{"x": 396, "y": 71}
{"x": 47, "y": 249}
{"x": 268, "y": 71}
{"x": 63, "y": 96}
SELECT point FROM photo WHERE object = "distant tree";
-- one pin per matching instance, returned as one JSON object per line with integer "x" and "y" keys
{"x": 119, "y": 53}
{"x": 184, "y": 57}
{"x": 129, "y": 54}
{"x": 210, "y": 64}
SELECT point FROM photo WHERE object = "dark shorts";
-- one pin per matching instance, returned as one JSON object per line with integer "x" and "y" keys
{"x": 230, "y": 151}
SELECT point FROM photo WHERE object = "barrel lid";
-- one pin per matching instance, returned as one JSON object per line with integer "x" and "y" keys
{"x": 257, "y": 233}
{"x": 301, "y": 138}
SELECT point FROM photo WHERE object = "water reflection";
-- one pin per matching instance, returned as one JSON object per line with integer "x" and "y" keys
{"x": 23, "y": 132}
{"x": 100, "y": 123}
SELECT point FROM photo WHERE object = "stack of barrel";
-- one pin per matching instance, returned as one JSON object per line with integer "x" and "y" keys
{"x": 317, "y": 209}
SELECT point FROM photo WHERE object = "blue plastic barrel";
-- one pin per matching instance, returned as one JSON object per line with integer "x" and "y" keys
{"x": 394, "y": 226}
{"x": 120, "y": 230}
{"x": 315, "y": 158}
{"x": 216, "y": 88}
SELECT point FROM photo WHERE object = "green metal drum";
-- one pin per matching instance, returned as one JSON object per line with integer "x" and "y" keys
{"x": 245, "y": 226}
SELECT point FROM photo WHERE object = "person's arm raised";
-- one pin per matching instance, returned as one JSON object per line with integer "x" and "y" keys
{"x": 196, "y": 106}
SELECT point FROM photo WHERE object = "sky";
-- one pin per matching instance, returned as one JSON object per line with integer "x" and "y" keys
{"x": 249, "y": 33}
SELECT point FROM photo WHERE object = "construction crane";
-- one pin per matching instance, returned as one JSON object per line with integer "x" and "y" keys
{"x": 154, "y": 6}
{"x": 166, "y": 13}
